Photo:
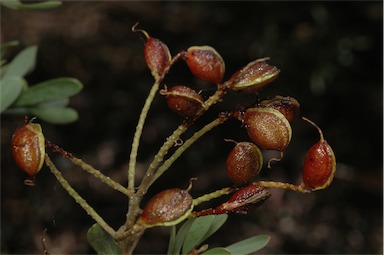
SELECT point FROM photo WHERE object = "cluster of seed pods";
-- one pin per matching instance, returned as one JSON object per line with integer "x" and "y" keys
{"x": 268, "y": 124}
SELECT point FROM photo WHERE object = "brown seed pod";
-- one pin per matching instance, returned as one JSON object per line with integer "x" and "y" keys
{"x": 268, "y": 128}
{"x": 319, "y": 164}
{"x": 288, "y": 106}
{"x": 244, "y": 163}
{"x": 183, "y": 100}
{"x": 205, "y": 63}
{"x": 167, "y": 208}
{"x": 28, "y": 148}
{"x": 156, "y": 54}
{"x": 253, "y": 76}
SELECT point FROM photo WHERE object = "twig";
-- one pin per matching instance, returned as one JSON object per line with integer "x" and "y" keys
{"x": 81, "y": 201}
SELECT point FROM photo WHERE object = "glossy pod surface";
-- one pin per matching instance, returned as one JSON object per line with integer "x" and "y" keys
{"x": 268, "y": 128}
{"x": 167, "y": 208}
{"x": 28, "y": 148}
{"x": 319, "y": 166}
{"x": 243, "y": 163}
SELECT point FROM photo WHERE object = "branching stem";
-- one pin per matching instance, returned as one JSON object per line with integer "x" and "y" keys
{"x": 81, "y": 201}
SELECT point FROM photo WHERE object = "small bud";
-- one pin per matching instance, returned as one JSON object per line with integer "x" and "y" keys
{"x": 244, "y": 163}
{"x": 28, "y": 148}
{"x": 288, "y": 106}
{"x": 205, "y": 63}
{"x": 319, "y": 164}
{"x": 183, "y": 100}
{"x": 167, "y": 208}
{"x": 253, "y": 76}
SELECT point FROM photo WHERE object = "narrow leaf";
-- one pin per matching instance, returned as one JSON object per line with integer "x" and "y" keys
{"x": 22, "y": 63}
{"x": 49, "y": 90}
{"x": 101, "y": 241}
{"x": 41, "y": 5}
{"x": 61, "y": 102}
{"x": 218, "y": 221}
{"x": 180, "y": 236}
{"x": 196, "y": 233}
{"x": 10, "y": 89}
{"x": 172, "y": 240}
{"x": 55, "y": 115}
{"x": 249, "y": 245}
{"x": 4, "y": 47}
{"x": 11, "y": 4}
{"x": 217, "y": 251}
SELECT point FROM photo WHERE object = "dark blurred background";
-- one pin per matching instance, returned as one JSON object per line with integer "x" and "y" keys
{"x": 331, "y": 60}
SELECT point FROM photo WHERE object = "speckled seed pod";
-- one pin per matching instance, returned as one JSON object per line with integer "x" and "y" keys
{"x": 183, "y": 100}
{"x": 319, "y": 164}
{"x": 268, "y": 128}
{"x": 167, "y": 208}
{"x": 244, "y": 163}
{"x": 253, "y": 76}
{"x": 205, "y": 63}
{"x": 288, "y": 106}
{"x": 157, "y": 56}
{"x": 28, "y": 148}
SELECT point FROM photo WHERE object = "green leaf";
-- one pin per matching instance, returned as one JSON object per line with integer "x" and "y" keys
{"x": 22, "y": 63}
{"x": 10, "y": 89}
{"x": 11, "y": 4}
{"x": 61, "y": 102}
{"x": 217, "y": 251}
{"x": 218, "y": 221}
{"x": 249, "y": 245}
{"x": 49, "y": 90}
{"x": 101, "y": 241}
{"x": 55, "y": 115}
{"x": 172, "y": 240}
{"x": 16, "y": 4}
{"x": 180, "y": 236}
{"x": 41, "y": 6}
{"x": 4, "y": 47}
{"x": 196, "y": 233}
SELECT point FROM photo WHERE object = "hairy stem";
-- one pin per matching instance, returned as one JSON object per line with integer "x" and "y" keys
{"x": 213, "y": 195}
{"x": 107, "y": 180}
{"x": 81, "y": 201}
{"x": 282, "y": 185}
{"x": 221, "y": 119}
{"x": 137, "y": 136}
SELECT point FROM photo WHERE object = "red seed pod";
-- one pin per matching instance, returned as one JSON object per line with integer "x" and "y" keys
{"x": 253, "y": 76}
{"x": 242, "y": 201}
{"x": 319, "y": 164}
{"x": 205, "y": 63}
{"x": 167, "y": 208}
{"x": 244, "y": 163}
{"x": 183, "y": 100}
{"x": 268, "y": 128}
{"x": 28, "y": 148}
{"x": 156, "y": 54}
{"x": 288, "y": 106}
